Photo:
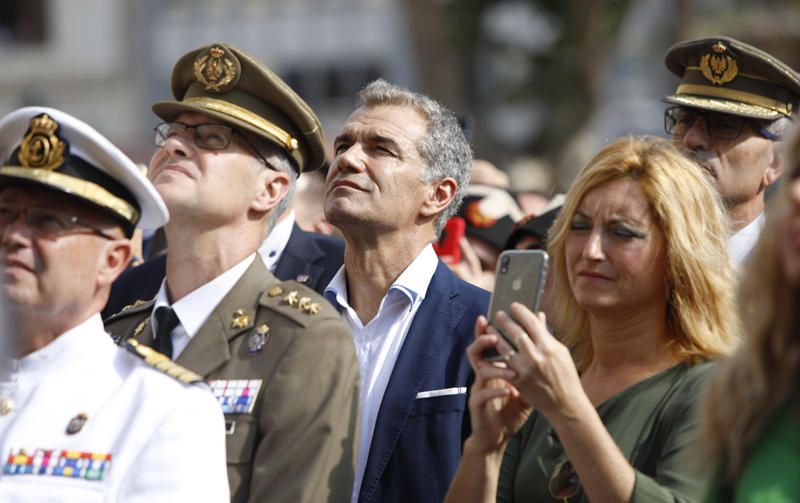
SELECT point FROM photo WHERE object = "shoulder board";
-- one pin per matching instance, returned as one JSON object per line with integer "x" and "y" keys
{"x": 297, "y": 301}
{"x": 139, "y": 305}
{"x": 161, "y": 362}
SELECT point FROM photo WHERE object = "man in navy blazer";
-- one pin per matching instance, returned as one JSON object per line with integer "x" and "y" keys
{"x": 307, "y": 257}
{"x": 400, "y": 170}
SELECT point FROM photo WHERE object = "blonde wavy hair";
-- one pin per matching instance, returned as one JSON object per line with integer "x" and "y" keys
{"x": 749, "y": 388}
{"x": 701, "y": 314}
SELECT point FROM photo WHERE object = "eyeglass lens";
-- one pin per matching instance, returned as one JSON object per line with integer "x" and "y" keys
{"x": 679, "y": 120}
{"x": 45, "y": 222}
{"x": 207, "y": 136}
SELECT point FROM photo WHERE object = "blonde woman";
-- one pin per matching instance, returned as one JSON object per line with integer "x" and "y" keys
{"x": 751, "y": 420}
{"x": 642, "y": 301}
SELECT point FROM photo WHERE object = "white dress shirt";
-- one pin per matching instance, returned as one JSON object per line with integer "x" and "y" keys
{"x": 741, "y": 244}
{"x": 148, "y": 438}
{"x": 194, "y": 309}
{"x": 272, "y": 247}
{"x": 378, "y": 343}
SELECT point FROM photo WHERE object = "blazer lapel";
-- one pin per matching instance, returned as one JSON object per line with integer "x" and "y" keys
{"x": 428, "y": 335}
{"x": 298, "y": 258}
{"x": 208, "y": 349}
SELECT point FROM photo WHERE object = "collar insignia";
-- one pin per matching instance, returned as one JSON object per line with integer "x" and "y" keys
{"x": 240, "y": 319}
{"x": 719, "y": 66}
{"x": 41, "y": 147}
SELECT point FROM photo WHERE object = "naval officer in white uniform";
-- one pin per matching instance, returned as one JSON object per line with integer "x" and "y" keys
{"x": 80, "y": 418}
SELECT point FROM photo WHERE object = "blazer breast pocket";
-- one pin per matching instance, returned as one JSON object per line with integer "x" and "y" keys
{"x": 441, "y": 404}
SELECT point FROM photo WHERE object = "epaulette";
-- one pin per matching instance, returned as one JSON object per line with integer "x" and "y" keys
{"x": 296, "y": 301}
{"x": 161, "y": 362}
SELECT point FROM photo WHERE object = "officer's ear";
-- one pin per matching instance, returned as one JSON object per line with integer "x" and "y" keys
{"x": 273, "y": 186}
{"x": 775, "y": 166}
{"x": 115, "y": 257}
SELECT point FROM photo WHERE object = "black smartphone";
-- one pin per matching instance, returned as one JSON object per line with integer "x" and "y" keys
{"x": 519, "y": 278}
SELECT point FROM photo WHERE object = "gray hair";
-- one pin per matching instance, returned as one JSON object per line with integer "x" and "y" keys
{"x": 280, "y": 161}
{"x": 444, "y": 148}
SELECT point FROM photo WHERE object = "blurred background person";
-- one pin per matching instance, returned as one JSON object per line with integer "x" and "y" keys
{"x": 308, "y": 203}
{"x": 751, "y": 420}
{"x": 490, "y": 214}
{"x": 642, "y": 300}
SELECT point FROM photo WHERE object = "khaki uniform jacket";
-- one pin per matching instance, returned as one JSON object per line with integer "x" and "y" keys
{"x": 299, "y": 441}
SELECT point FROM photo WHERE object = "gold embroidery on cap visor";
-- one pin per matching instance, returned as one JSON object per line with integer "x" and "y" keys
{"x": 246, "y": 116}
{"x": 82, "y": 188}
{"x": 217, "y": 69}
{"x": 41, "y": 148}
{"x": 742, "y": 102}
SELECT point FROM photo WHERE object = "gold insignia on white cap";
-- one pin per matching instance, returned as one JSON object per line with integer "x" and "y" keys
{"x": 41, "y": 148}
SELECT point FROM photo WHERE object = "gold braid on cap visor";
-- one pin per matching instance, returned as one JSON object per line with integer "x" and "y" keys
{"x": 82, "y": 188}
{"x": 733, "y": 95}
{"x": 247, "y": 116}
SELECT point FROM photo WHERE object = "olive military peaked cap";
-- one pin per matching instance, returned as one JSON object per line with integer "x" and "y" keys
{"x": 224, "y": 82}
{"x": 51, "y": 149}
{"x": 725, "y": 75}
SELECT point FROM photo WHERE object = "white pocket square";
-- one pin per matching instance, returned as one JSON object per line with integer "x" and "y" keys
{"x": 441, "y": 392}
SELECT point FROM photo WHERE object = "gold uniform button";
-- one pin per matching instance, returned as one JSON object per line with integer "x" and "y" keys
{"x": 6, "y": 406}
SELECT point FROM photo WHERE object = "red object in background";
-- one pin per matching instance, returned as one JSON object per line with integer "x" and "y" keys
{"x": 449, "y": 244}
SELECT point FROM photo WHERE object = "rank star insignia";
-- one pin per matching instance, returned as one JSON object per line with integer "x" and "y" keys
{"x": 313, "y": 308}
{"x": 240, "y": 320}
{"x": 275, "y": 291}
{"x": 76, "y": 423}
{"x": 293, "y": 298}
{"x": 304, "y": 303}
{"x": 258, "y": 339}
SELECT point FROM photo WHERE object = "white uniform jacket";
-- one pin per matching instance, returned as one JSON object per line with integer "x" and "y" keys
{"x": 84, "y": 420}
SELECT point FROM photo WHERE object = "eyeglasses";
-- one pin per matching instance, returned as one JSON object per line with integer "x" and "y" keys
{"x": 47, "y": 223}
{"x": 679, "y": 120}
{"x": 564, "y": 482}
{"x": 207, "y": 136}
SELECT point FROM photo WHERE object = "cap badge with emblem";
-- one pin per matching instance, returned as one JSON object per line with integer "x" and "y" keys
{"x": 240, "y": 319}
{"x": 41, "y": 148}
{"x": 719, "y": 66}
{"x": 217, "y": 68}
{"x": 258, "y": 339}
{"x": 76, "y": 423}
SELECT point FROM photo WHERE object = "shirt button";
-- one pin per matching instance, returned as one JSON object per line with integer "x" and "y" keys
{"x": 6, "y": 406}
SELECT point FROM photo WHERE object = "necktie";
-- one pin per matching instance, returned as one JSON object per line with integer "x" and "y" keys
{"x": 166, "y": 320}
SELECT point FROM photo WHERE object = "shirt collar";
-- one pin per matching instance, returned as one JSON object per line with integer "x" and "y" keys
{"x": 272, "y": 247}
{"x": 193, "y": 309}
{"x": 413, "y": 282}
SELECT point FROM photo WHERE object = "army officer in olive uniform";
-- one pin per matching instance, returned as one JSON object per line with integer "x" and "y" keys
{"x": 280, "y": 360}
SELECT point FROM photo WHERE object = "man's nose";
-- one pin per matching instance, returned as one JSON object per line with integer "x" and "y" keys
{"x": 696, "y": 137}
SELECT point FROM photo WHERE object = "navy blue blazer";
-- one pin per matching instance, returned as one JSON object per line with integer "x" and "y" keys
{"x": 308, "y": 257}
{"x": 417, "y": 442}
